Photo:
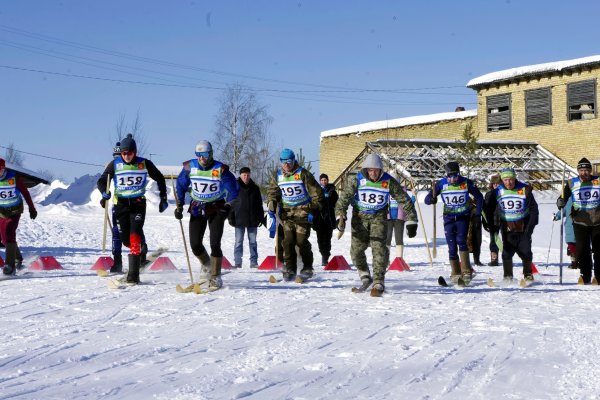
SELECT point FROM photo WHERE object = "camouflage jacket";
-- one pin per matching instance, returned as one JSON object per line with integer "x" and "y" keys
{"x": 396, "y": 191}
{"x": 297, "y": 213}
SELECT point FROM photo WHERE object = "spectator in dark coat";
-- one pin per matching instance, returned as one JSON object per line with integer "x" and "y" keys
{"x": 247, "y": 215}
{"x": 325, "y": 222}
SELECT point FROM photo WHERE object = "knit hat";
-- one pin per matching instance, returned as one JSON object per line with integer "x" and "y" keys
{"x": 508, "y": 173}
{"x": 244, "y": 170}
{"x": 323, "y": 176}
{"x": 372, "y": 161}
{"x": 452, "y": 168}
{"x": 584, "y": 163}
{"x": 128, "y": 144}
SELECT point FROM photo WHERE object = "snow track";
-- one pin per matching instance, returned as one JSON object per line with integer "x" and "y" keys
{"x": 65, "y": 335}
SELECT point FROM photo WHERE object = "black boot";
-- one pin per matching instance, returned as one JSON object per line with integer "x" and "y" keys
{"x": 476, "y": 260}
{"x": 11, "y": 252}
{"x": 494, "y": 259}
{"x": 133, "y": 275}
{"x": 507, "y": 265}
{"x": 143, "y": 254}
{"x": 117, "y": 266}
{"x": 325, "y": 260}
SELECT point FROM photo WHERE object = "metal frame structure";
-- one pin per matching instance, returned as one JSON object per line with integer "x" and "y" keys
{"x": 423, "y": 160}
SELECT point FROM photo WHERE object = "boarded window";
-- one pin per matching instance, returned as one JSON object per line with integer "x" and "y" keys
{"x": 538, "y": 107}
{"x": 581, "y": 100}
{"x": 498, "y": 113}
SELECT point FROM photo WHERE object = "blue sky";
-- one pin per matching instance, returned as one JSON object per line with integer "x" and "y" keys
{"x": 422, "y": 52}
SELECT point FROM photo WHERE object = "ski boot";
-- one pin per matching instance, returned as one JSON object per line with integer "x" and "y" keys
{"x": 215, "y": 273}
{"x": 133, "y": 275}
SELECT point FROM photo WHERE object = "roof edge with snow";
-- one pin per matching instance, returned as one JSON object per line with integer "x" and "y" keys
{"x": 399, "y": 122}
{"x": 532, "y": 70}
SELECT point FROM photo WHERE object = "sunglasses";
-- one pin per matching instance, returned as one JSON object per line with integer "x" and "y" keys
{"x": 127, "y": 153}
{"x": 287, "y": 161}
{"x": 203, "y": 154}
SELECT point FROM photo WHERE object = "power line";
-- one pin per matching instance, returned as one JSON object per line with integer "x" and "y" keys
{"x": 52, "y": 158}
{"x": 114, "y": 53}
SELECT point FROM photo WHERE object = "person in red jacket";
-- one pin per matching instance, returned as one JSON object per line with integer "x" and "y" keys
{"x": 12, "y": 193}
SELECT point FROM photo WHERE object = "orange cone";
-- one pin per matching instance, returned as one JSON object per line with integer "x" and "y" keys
{"x": 104, "y": 263}
{"x": 269, "y": 264}
{"x": 399, "y": 265}
{"x": 162, "y": 264}
{"x": 45, "y": 263}
{"x": 337, "y": 263}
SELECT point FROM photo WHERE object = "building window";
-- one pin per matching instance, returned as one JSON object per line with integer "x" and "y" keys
{"x": 498, "y": 113}
{"x": 581, "y": 100}
{"x": 538, "y": 107}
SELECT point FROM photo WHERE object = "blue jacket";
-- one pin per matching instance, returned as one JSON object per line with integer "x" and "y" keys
{"x": 227, "y": 178}
{"x": 569, "y": 233}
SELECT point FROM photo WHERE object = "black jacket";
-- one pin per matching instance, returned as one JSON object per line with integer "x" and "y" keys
{"x": 326, "y": 218}
{"x": 248, "y": 210}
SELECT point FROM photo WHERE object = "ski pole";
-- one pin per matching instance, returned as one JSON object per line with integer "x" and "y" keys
{"x": 550, "y": 244}
{"x": 434, "y": 220}
{"x": 276, "y": 236}
{"x": 105, "y": 215}
{"x": 562, "y": 193}
{"x": 422, "y": 223}
{"x": 187, "y": 254}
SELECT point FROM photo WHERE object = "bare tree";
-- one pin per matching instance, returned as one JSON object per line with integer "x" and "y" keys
{"x": 13, "y": 156}
{"x": 241, "y": 137}
{"x": 122, "y": 128}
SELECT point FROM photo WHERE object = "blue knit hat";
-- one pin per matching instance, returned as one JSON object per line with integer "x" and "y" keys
{"x": 287, "y": 155}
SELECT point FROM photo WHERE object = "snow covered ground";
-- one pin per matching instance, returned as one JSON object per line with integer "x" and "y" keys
{"x": 66, "y": 335}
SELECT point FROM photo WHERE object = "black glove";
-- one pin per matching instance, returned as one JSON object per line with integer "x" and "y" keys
{"x": 341, "y": 223}
{"x": 263, "y": 221}
{"x": 411, "y": 230}
{"x": 162, "y": 206}
{"x": 103, "y": 202}
{"x": 485, "y": 225}
{"x": 529, "y": 230}
{"x": 32, "y": 213}
{"x": 560, "y": 203}
{"x": 179, "y": 212}
{"x": 433, "y": 199}
{"x": 225, "y": 210}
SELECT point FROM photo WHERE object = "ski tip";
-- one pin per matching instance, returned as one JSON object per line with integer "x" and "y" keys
{"x": 442, "y": 281}
{"x": 490, "y": 282}
{"x": 272, "y": 279}
{"x": 101, "y": 273}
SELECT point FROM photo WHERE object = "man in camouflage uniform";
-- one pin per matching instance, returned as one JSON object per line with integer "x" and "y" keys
{"x": 369, "y": 195}
{"x": 299, "y": 197}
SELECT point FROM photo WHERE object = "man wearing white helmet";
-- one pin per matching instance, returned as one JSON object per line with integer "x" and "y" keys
{"x": 369, "y": 195}
{"x": 212, "y": 189}
{"x": 299, "y": 197}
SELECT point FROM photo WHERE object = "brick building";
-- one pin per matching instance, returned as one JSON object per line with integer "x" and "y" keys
{"x": 553, "y": 104}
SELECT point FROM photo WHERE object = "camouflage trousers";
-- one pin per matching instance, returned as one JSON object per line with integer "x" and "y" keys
{"x": 296, "y": 234}
{"x": 370, "y": 231}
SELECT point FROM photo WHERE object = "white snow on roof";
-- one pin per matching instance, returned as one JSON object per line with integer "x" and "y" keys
{"x": 395, "y": 123}
{"x": 532, "y": 69}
